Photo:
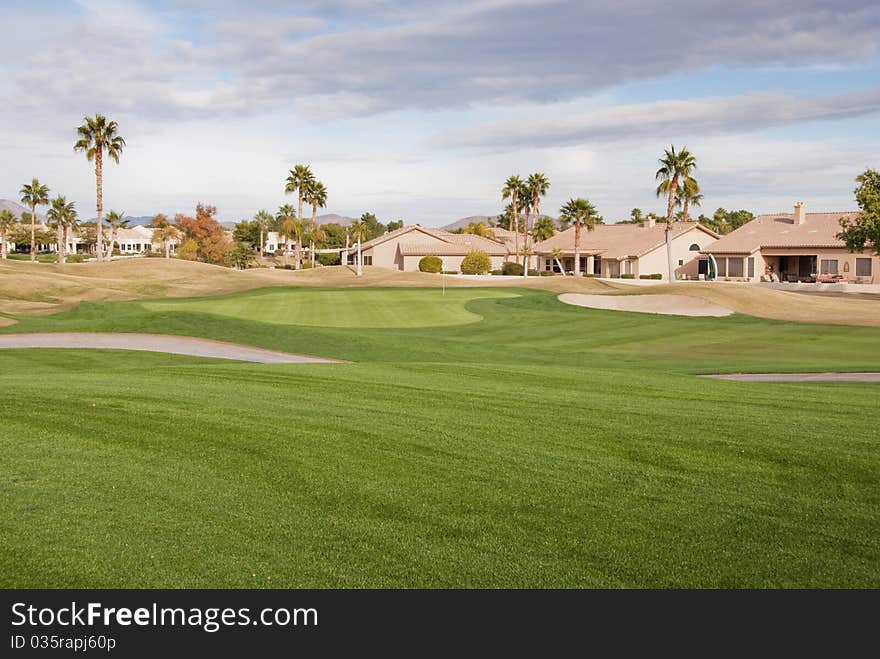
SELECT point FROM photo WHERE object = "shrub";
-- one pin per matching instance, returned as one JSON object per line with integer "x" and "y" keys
{"x": 76, "y": 258}
{"x": 533, "y": 272}
{"x": 497, "y": 272}
{"x": 589, "y": 274}
{"x": 627, "y": 276}
{"x": 476, "y": 263}
{"x": 450, "y": 272}
{"x": 512, "y": 268}
{"x": 655, "y": 275}
{"x": 431, "y": 263}
{"x": 547, "y": 273}
{"x": 329, "y": 259}
{"x": 306, "y": 265}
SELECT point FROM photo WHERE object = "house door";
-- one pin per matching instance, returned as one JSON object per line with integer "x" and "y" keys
{"x": 806, "y": 266}
{"x": 703, "y": 267}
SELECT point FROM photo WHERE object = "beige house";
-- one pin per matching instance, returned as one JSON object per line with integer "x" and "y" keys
{"x": 791, "y": 247}
{"x": 403, "y": 248}
{"x": 612, "y": 250}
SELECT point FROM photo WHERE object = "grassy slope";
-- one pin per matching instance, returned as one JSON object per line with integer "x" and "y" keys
{"x": 543, "y": 446}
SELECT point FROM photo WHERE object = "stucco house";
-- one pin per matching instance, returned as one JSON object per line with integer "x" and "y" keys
{"x": 402, "y": 249}
{"x": 612, "y": 250}
{"x": 795, "y": 247}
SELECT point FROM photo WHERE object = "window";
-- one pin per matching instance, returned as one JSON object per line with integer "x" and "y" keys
{"x": 734, "y": 267}
{"x": 722, "y": 267}
{"x": 863, "y": 267}
{"x": 680, "y": 262}
{"x": 751, "y": 267}
{"x": 829, "y": 266}
{"x": 368, "y": 260}
{"x": 694, "y": 247}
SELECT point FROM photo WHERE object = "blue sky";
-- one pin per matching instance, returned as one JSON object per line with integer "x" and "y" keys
{"x": 420, "y": 110}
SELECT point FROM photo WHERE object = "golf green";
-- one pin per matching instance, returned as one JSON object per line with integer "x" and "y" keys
{"x": 489, "y": 438}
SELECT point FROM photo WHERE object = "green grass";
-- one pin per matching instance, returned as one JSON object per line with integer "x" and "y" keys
{"x": 540, "y": 445}
{"x": 41, "y": 258}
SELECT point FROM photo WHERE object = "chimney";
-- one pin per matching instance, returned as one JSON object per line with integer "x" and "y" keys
{"x": 800, "y": 215}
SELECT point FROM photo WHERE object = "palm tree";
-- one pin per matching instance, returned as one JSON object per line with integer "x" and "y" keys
{"x": 59, "y": 216}
{"x": 360, "y": 231}
{"x": 115, "y": 220}
{"x": 7, "y": 221}
{"x": 97, "y": 136}
{"x": 165, "y": 231}
{"x": 537, "y": 186}
{"x": 674, "y": 167}
{"x": 34, "y": 194}
{"x": 288, "y": 227}
{"x": 689, "y": 195}
{"x": 581, "y": 213}
{"x": 316, "y": 195}
{"x": 299, "y": 181}
{"x": 511, "y": 190}
{"x": 557, "y": 256}
{"x": 264, "y": 219}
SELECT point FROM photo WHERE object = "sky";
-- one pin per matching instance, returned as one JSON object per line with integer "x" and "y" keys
{"x": 420, "y": 110}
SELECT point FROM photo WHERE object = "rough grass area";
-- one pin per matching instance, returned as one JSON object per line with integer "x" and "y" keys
{"x": 543, "y": 445}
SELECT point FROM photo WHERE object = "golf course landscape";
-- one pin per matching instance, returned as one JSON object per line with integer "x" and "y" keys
{"x": 482, "y": 436}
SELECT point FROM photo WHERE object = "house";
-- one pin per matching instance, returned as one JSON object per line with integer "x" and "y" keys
{"x": 612, "y": 250}
{"x": 794, "y": 247}
{"x": 402, "y": 249}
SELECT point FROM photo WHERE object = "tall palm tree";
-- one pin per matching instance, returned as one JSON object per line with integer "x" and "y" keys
{"x": 675, "y": 166}
{"x": 580, "y": 212}
{"x": 537, "y": 186}
{"x": 165, "y": 231}
{"x": 288, "y": 227}
{"x": 689, "y": 195}
{"x": 299, "y": 181}
{"x": 59, "y": 216}
{"x": 34, "y": 194}
{"x": 557, "y": 256}
{"x": 264, "y": 219}
{"x": 360, "y": 231}
{"x": 511, "y": 190}
{"x": 98, "y": 136}
{"x": 7, "y": 221}
{"x": 116, "y": 221}
{"x": 316, "y": 195}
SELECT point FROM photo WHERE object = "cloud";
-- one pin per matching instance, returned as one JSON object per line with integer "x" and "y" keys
{"x": 663, "y": 121}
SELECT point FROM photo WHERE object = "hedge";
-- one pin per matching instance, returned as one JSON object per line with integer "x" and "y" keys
{"x": 512, "y": 269}
{"x": 329, "y": 259}
{"x": 627, "y": 276}
{"x": 476, "y": 263}
{"x": 655, "y": 275}
{"x": 431, "y": 263}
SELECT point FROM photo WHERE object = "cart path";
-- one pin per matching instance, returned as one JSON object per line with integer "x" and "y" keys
{"x": 798, "y": 377}
{"x": 667, "y": 304}
{"x": 176, "y": 345}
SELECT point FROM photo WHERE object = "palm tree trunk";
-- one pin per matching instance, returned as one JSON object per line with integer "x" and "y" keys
{"x": 261, "y": 241}
{"x": 66, "y": 238}
{"x": 3, "y": 244}
{"x": 360, "y": 260}
{"x": 59, "y": 246}
{"x": 577, "y": 249}
{"x": 312, "y": 252}
{"x": 673, "y": 187}
{"x": 99, "y": 183}
{"x": 33, "y": 232}
{"x": 669, "y": 251}
{"x": 167, "y": 245}
{"x": 684, "y": 212}
{"x": 286, "y": 251}
{"x": 514, "y": 221}
{"x": 297, "y": 255}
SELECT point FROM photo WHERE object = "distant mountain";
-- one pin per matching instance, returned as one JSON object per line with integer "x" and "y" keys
{"x": 17, "y": 209}
{"x": 463, "y": 222}
{"x": 333, "y": 218}
{"x": 142, "y": 220}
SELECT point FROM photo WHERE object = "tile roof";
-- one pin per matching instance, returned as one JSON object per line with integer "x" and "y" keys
{"x": 779, "y": 230}
{"x": 449, "y": 243}
{"x": 618, "y": 241}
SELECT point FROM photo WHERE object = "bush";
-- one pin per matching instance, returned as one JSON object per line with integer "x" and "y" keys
{"x": 655, "y": 275}
{"x": 450, "y": 272}
{"x": 547, "y": 273}
{"x": 431, "y": 263}
{"x": 589, "y": 274}
{"x": 76, "y": 258}
{"x": 306, "y": 265}
{"x": 497, "y": 272}
{"x": 329, "y": 259}
{"x": 476, "y": 263}
{"x": 533, "y": 272}
{"x": 512, "y": 268}
{"x": 625, "y": 276}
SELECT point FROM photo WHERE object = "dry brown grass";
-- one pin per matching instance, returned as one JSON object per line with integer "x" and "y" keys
{"x": 43, "y": 288}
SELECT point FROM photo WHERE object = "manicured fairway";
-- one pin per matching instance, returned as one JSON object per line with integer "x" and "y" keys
{"x": 537, "y": 444}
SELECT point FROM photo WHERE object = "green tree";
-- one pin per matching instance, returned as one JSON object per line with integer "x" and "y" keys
{"x": 241, "y": 256}
{"x": 536, "y": 187}
{"x": 289, "y": 227}
{"x": 581, "y": 213}
{"x": 334, "y": 235}
{"x": 544, "y": 228}
{"x": 865, "y": 229}
{"x": 360, "y": 231}
{"x": 97, "y": 136}
{"x": 7, "y": 223}
{"x": 513, "y": 186}
{"x": 689, "y": 195}
{"x": 116, "y": 221}
{"x": 264, "y": 220}
{"x": 635, "y": 215}
{"x": 34, "y": 194}
{"x": 316, "y": 196}
{"x": 675, "y": 166}
{"x": 164, "y": 231}
{"x": 247, "y": 231}
{"x": 299, "y": 181}
{"x": 394, "y": 225}
{"x": 61, "y": 216}
{"x": 476, "y": 229}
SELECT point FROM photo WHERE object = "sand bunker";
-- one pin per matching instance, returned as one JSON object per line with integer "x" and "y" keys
{"x": 176, "y": 345}
{"x": 798, "y": 377}
{"x": 672, "y": 305}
